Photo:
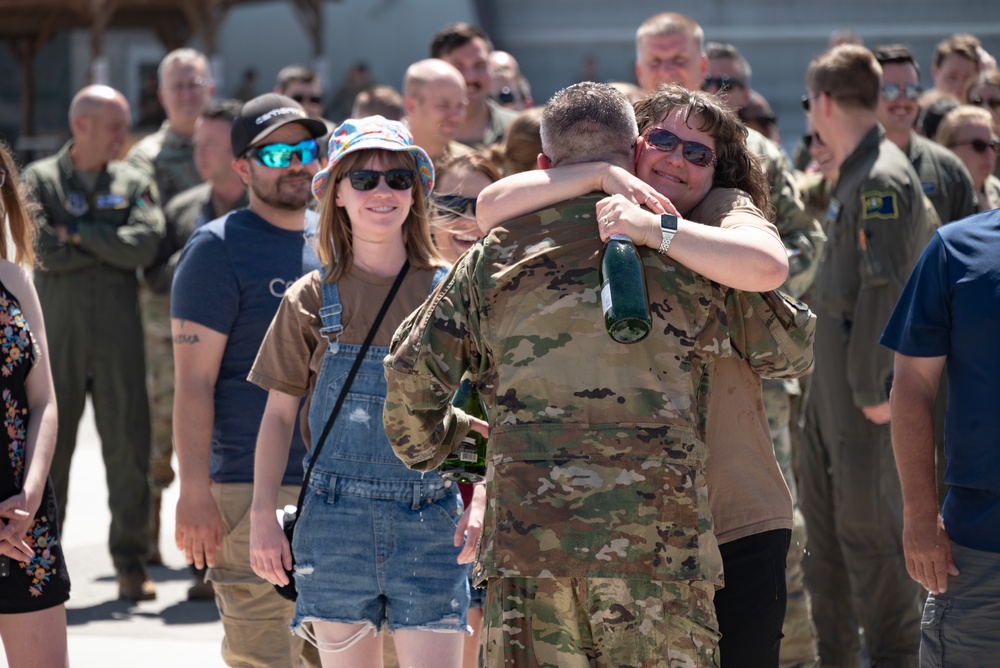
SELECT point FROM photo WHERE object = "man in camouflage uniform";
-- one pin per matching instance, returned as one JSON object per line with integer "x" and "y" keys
{"x": 99, "y": 222}
{"x": 167, "y": 157}
{"x": 597, "y": 539}
{"x": 850, "y": 490}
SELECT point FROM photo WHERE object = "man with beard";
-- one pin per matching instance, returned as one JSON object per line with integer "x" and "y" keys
{"x": 227, "y": 287}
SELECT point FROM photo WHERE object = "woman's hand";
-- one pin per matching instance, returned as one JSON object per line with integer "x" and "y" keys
{"x": 470, "y": 525}
{"x": 619, "y": 215}
{"x": 17, "y": 521}
{"x": 618, "y": 181}
{"x": 270, "y": 554}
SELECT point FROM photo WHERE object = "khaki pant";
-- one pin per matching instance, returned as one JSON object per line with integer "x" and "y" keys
{"x": 255, "y": 619}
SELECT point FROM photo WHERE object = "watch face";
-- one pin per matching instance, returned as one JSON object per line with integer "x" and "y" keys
{"x": 668, "y": 222}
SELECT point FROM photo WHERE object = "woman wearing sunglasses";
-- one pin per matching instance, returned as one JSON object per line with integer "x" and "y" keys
{"x": 968, "y": 132}
{"x": 692, "y": 161}
{"x": 460, "y": 179}
{"x": 374, "y": 542}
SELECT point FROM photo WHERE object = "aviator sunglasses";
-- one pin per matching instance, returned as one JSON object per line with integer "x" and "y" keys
{"x": 890, "y": 92}
{"x": 367, "y": 179}
{"x": 979, "y": 145}
{"x": 454, "y": 206}
{"x": 278, "y": 156}
{"x": 694, "y": 152}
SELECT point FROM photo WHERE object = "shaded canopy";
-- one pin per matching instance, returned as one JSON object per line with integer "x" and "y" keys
{"x": 27, "y": 25}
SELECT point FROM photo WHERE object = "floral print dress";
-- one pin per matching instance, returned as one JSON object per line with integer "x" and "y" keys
{"x": 43, "y": 581}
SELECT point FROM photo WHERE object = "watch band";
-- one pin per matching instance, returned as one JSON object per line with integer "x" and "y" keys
{"x": 668, "y": 228}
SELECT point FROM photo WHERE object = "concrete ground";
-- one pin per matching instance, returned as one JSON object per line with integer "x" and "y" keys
{"x": 106, "y": 632}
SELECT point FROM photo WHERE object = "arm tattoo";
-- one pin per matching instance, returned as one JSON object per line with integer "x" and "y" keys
{"x": 181, "y": 339}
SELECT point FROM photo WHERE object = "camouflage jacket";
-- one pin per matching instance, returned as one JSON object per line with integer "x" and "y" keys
{"x": 168, "y": 158}
{"x": 597, "y": 449}
{"x": 800, "y": 231}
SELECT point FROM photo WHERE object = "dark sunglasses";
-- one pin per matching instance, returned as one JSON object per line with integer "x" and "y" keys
{"x": 808, "y": 140}
{"x": 315, "y": 99}
{"x": 453, "y": 206}
{"x": 367, "y": 179}
{"x": 278, "y": 156}
{"x": 890, "y": 92}
{"x": 992, "y": 102}
{"x": 506, "y": 96}
{"x": 723, "y": 83}
{"x": 694, "y": 152}
{"x": 979, "y": 145}
{"x": 764, "y": 120}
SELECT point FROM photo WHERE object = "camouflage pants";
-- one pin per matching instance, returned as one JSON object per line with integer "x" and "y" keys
{"x": 599, "y": 622}
{"x": 160, "y": 381}
{"x": 799, "y": 646}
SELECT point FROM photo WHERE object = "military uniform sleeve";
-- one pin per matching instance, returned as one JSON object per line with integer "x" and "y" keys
{"x": 160, "y": 273}
{"x": 964, "y": 202}
{"x": 430, "y": 352}
{"x": 56, "y": 256}
{"x": 138, "y": 157}
{"x": 892, "y": 231}
{"x": 800, "y": 232}
{"x": 135, "y": 243}
{"x": 772, "y": 331}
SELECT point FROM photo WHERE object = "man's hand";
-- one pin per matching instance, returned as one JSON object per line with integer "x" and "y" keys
{"x": 878, "y": 414}
{"x": 198, "y": 530}
{"x": 927, "y": 549}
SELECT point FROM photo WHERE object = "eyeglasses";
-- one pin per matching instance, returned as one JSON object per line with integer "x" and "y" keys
{"x": 992, "y": 102}
{"x": 454, "y": 206}
{"x": 3, "y": 176}
{"x": 189, "y": 86}
{"x": 367, "y": 179}
{"x": 314, "y": 99}
{"x": 809, "y": 140}
{"x": 694, "y": 152}
{"x": 279, "y": 156}
{"x": 979, "y": 145}
{"x": 722, "y": 83}
{"x": 890, "y": 92}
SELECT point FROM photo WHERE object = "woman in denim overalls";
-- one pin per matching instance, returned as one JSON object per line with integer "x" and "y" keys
{"x": 375, "y": 542}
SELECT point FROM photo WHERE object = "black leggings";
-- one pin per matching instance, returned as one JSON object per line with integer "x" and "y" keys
{"x": 751, "y": 607}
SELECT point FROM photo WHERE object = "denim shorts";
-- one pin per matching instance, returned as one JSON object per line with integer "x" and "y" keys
{"x": 380, "y": 552}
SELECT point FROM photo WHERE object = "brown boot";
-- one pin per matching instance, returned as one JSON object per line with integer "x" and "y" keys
{"x": 136, "y": 586}
{"x": 154, "y": 558}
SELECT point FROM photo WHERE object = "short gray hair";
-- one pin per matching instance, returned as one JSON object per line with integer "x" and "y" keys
{"x": 184, "y": 55}
{"x": 589, "y": 122}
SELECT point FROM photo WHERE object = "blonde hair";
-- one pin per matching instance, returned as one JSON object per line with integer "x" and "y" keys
{"x": 671, "y": 23}
{"x": 334, "y": 238}
{"x": 958, "y": 117}
{"x": 19, "y": 209}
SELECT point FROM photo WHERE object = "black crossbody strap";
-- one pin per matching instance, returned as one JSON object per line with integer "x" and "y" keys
{"x": 350, "y": 378}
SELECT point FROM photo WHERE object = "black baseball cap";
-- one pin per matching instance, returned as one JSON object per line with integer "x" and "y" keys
{"x": 266, "y": 113}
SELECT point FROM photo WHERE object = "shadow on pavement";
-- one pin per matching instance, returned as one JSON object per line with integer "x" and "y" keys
{"x": 185, "y": 612}
{"x": 156, "y": 574}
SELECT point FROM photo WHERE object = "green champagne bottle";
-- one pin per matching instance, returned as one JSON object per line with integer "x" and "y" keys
{"x": 623, "y": 291}
{"x": 468, "y": 462}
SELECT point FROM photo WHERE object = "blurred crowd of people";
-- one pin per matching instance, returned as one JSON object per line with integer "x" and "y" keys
{"x": 211, "y": 285}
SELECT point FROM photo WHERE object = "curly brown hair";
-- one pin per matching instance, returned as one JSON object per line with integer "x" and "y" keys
{"x": 736, "y": 166}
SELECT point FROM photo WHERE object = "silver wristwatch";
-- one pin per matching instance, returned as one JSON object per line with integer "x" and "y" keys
{"x": 668, "y": 227}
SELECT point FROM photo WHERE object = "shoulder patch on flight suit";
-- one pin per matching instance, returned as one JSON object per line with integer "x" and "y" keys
{"x": 76, "y": 203}
{"x": 930, "y": 188}
{"x": 111, "y": 201}
{"x": 879, "y": 204}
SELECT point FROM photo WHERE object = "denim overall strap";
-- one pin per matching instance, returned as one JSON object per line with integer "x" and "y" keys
{"x": 329, "y": 313}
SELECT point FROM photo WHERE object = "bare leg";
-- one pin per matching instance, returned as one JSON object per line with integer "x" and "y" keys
{"x": 429, "y": 649}
{"x": 35, "y": 639}
{"x": 471, "y": 645}
{"x": 348, "y": 645}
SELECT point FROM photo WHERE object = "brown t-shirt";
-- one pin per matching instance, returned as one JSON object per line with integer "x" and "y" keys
{"x": 291, "y": 354}
{"x": 746, "y": 491}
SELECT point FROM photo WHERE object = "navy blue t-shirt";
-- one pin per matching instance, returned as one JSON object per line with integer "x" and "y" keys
{"x": 231, "y": 277}
{"x": 951, "y": 306}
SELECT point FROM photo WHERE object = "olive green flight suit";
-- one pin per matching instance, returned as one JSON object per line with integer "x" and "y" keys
{"x": 88, "y": 293}
{"x": 850, "y": 492}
